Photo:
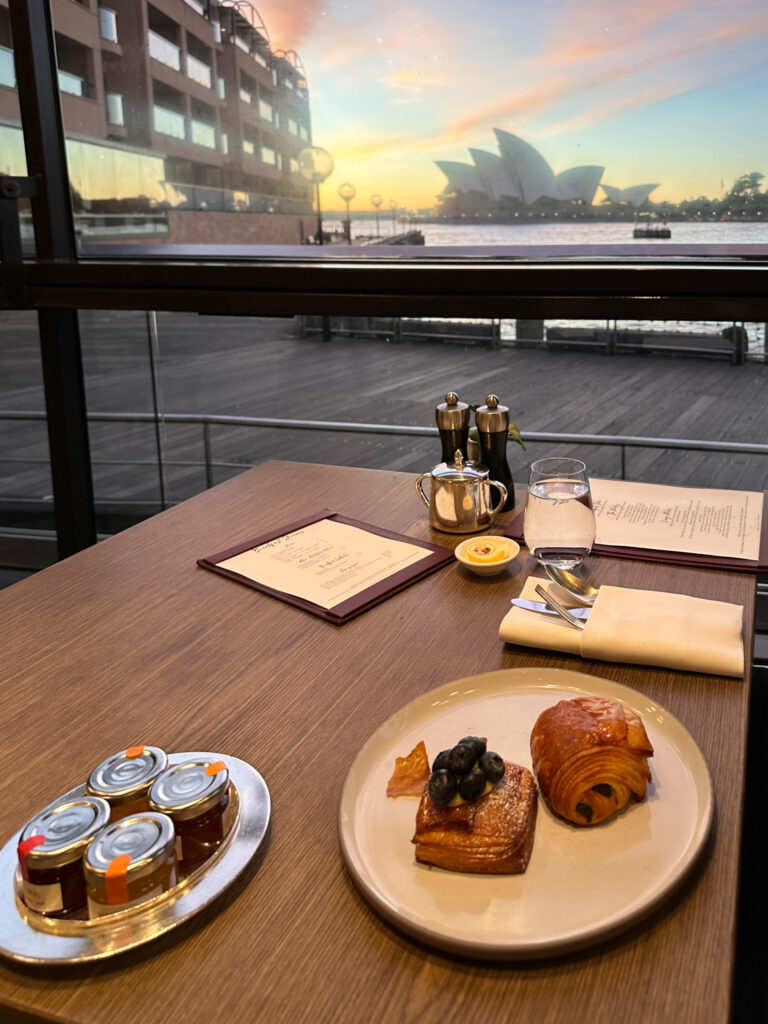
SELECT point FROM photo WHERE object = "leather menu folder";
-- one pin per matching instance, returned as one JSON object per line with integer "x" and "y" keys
{"x": 434, "y": 559}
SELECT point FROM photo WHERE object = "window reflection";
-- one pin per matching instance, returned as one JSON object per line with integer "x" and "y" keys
{"x": 568, "y": 127}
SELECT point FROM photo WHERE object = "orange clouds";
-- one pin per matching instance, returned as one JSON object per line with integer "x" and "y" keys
{"x": 412, "y": 80}
{"x": 290, "y": 24}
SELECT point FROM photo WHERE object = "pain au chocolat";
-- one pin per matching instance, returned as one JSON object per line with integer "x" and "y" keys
{"x": 490, "y": 835}
{"x": 590, "y": 756}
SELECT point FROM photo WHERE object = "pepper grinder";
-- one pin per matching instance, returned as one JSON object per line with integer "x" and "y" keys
{"x": 493, "y": 425}
{"x": 453, "y": 423}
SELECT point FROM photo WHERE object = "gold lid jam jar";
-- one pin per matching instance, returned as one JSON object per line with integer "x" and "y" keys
{"x": 124, "y": 779}
{"x": 195, "y": 794}
{"x": 129, "y": 862}
{"x": 50, "y": 850}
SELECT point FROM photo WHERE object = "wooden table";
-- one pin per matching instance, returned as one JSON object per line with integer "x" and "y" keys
{"x": 129, "y": 642}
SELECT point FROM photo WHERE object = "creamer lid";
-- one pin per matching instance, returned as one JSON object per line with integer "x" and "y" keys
{"x": 128, "y": 774}
{"x": 459, "y": 471}
{"x": 187, "y": 790}
{"x": 146, "y": 839}
{"x": 59, "y": 834}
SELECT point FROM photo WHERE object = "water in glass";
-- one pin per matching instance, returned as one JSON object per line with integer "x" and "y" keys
{"x": 559, "y": 523}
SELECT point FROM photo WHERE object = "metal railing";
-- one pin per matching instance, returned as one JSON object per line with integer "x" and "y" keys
{"x": 207, "y": 422}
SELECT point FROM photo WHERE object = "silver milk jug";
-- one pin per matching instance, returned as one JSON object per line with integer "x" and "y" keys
{"x": 460, "y": 498}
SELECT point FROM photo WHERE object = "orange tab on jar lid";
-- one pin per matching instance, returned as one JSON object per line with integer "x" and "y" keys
{"x": 23, "y": 849}
{"x": 217, "y": 766}
{"x": 116, "y": 881}
{"x": 132, "y": 752}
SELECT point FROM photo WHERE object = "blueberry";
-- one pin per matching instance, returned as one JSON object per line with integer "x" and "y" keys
{"x": 492, "y": 766}
{"x": 461, "y": 759}
{"x": 477, "y": 744}
{"x": 441, "y": 761}
{"x": 472, "y": 784}
{"x": 442, "y": 787}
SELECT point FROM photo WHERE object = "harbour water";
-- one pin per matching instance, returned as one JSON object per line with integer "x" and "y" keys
{"x": 555, "y": 232}
{"x": 580, "y": 236}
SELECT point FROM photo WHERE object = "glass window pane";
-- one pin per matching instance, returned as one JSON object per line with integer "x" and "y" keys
{"x": 562, "y": 130}
{"x": 27, "y": 526}
{"x": 389, "y": 372}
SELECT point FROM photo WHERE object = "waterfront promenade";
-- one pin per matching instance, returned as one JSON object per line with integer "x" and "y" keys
{"x": 262, "y": 367}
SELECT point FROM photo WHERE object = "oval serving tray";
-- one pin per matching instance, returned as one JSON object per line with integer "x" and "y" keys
{"x": 32, "y": 938}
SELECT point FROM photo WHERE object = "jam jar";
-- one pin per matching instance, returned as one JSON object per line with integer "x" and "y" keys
{"x": 124, "y": 779}
{"x": 195, "y": 794}
{"x": 50, "y": 850}
{"x": 130, "y": 861}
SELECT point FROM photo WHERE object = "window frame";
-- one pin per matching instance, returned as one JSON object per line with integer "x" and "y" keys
{"x": 617, "y": 282}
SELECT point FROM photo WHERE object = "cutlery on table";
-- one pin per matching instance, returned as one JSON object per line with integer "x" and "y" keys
{"x": 561, "y": 611}
{"x": 572, "y": 584}
{"x": 545, "y": 609}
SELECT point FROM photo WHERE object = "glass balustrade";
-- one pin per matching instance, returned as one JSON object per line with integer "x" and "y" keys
{"x": 198, "y": 71}
{"x": 221, "y": 90}
{"x": 268, "y": 156}
{"x": 164, "y": 51}
{"x": 7, "y": 69}
{"x": 203, "y": 134}
{"x": 169, "y": 122}
{"x": 115, "y": 113}
{"x": 196, "y": 6}
{"x": 71, "y": 84}
{"x": 248, "y": 147}
{"x": 108, "y": 24}
{"x": 245, "y": 96}
{"x": 239, "y": 41}
{"x": 266, "y": 111}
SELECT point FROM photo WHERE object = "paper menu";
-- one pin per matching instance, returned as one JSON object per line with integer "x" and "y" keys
{"x": 719, "y": 523}
{"x": 324, "y": 562}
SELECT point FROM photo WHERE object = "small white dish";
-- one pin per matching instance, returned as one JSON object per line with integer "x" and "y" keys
{"x": 487, "y": 555}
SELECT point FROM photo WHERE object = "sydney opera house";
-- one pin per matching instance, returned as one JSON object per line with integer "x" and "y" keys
{"x": 521, "y": 172}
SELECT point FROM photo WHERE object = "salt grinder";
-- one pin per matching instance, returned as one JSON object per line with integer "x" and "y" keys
{"x": 453, "y": 423}
{"x": 493, "y": 425}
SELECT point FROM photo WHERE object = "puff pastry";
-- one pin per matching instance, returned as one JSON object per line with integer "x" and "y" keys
{"x": 590, "y": 758}
{"x": 491, "y": 835}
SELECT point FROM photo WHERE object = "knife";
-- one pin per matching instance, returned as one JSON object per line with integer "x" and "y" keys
{"x": 539, "y": 606}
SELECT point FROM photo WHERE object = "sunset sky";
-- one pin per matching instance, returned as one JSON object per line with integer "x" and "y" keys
{"x": 668, "y": 91}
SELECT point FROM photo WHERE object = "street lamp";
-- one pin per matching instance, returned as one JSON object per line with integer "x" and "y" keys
{"x": 347, "y": 193}
{"x": 393, "y": 211}
{"x": 376, "y": 202}
{"x": 316, "y": 165}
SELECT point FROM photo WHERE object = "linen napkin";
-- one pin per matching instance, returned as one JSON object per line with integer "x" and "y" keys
{"x": 646, "y": 627}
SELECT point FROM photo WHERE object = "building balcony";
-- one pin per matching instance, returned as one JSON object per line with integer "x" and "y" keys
{"x": 164, "y": 51}
{"x": 169, "y": 122}
{"x": 72, "y": 84}
{"x": 7, "y": 68}
{"x": 202, "y": 134}
{"x": 196, "y": 6}
{"x": 199, "y": 72}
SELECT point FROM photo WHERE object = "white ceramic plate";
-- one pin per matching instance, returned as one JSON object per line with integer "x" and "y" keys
{"x": 582, "y": 885}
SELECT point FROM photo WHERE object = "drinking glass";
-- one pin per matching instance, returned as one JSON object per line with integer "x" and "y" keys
{"x": 559, "y": 523}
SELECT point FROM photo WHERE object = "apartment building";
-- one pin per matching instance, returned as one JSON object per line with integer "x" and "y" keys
{"x": 178, "y": 114}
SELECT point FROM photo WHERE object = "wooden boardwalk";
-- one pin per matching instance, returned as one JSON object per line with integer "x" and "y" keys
{"x": 260, "y": 367}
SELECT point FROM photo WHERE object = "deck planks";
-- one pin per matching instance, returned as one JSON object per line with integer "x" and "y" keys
{"x": 261, "y": 367}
